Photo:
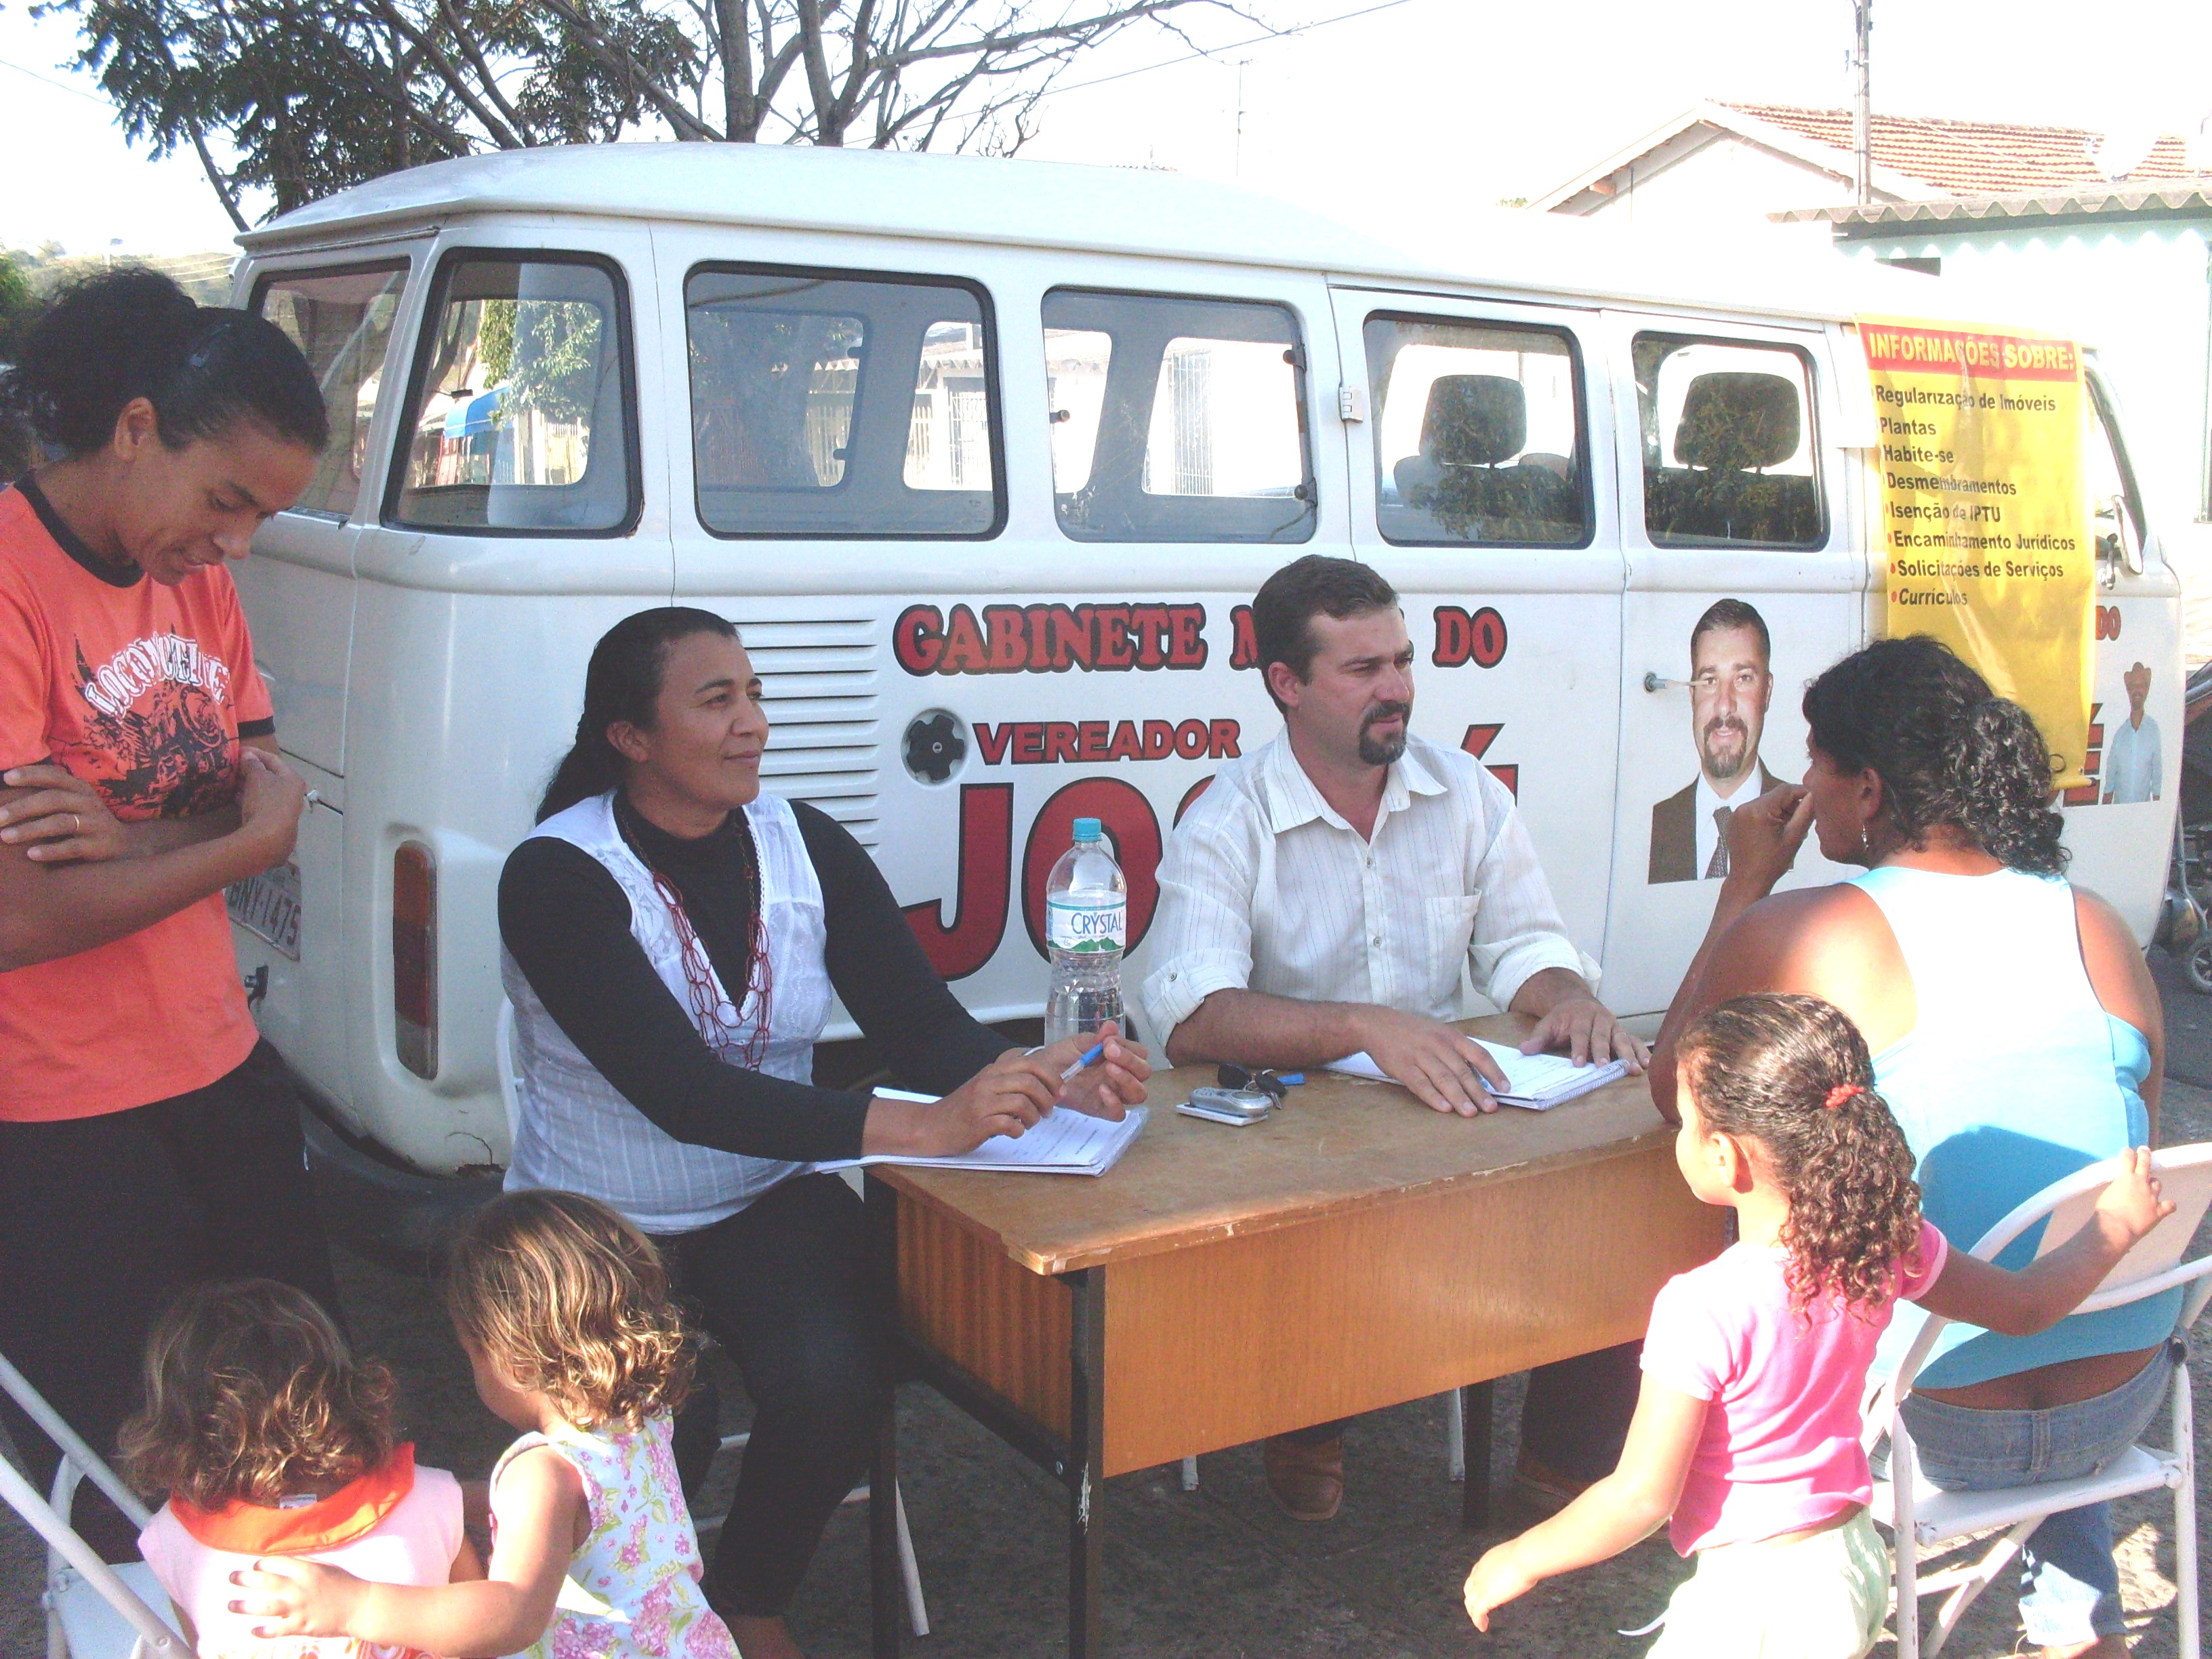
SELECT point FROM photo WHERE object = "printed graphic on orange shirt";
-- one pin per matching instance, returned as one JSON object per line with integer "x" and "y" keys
{"x": 155, "y": 744}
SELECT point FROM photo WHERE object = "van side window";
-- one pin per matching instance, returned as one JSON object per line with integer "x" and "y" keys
{"x": 342, "y": 322}
{"x": 841, "y": 405}
{"x": 1478, "y": 434}
{"x": 1177, "y": 420}
{"x": 1728, "y": 440}
{"x": 521, "y": 420}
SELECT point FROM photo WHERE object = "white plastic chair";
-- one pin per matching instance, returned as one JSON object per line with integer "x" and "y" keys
{"x": 1920, "y": 1516}
{"x": 94, "y": 1611}
{"x": 510, "y": 1094}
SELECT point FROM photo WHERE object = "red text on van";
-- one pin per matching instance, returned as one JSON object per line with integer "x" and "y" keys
{"x": 1049, "y": 638}
{"x": 1049, "y": 742}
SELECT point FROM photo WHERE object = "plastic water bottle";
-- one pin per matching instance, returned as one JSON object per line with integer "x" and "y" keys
{"x": 1087, "y": 907}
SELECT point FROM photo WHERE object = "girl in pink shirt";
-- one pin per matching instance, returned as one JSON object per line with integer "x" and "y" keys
{"x": 271, "y": 1440}
{"x": 1747, "y": 1433}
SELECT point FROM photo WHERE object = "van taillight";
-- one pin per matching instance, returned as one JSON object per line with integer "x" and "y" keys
{"x": 414, "y": 958}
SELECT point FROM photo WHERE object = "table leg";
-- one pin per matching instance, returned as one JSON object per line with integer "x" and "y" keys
{"x": 886, "y": 1588}
{"x": 1086, "y": 1422}
{"x": 1474, "y": 1436}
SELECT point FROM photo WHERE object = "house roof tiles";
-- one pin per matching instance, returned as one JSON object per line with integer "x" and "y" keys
{"x": 1977, "y": 158}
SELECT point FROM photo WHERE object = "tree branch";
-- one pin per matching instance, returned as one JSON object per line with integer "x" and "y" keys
{"x": 501, "y": 134}
{"x": 687, "y": 124}
{"x": 473, "y": 51}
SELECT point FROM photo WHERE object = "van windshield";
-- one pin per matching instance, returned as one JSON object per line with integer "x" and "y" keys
{"x": 520, "y": 418}
{"x": 835, "y": 406}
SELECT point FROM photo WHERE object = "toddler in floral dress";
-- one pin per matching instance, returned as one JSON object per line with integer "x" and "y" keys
{"x": 563, "y": 1309}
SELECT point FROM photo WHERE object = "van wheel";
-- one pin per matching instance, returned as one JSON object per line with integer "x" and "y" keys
{"x": 2196, "y": 967}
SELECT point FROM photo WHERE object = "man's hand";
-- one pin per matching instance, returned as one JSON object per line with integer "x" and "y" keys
{"x": 1764, "y": 838}
{"x": 1444, "y": 1069}
{"x": 63, "y": 818}
{"x": 289, "y": 1596}
{"x": 271, "y": 797}
{"x": 1585, "y": 1030}
{"x": 1109, "y": 1086}
{"x": 1497, "y": 1579}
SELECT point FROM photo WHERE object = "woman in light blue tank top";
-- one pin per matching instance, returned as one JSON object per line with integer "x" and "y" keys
{"x": 2017, "y": 1038}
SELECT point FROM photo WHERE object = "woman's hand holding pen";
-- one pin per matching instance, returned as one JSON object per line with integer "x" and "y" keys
{"x": 1003, "y": 1099}
{"x": 1103, "y": 1075}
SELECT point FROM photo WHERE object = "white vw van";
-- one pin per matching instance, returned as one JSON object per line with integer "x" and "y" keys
{"x": 987, "y": 460}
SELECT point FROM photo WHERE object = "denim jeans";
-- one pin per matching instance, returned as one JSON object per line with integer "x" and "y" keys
{"x": 2069, "y": 1586}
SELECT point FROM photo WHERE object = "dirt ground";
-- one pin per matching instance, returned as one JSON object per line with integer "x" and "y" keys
{"x": 1218, "y": 1572}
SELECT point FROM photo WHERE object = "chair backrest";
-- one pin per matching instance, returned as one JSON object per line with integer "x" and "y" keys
{"x": 155, "y": 1638}
{"x": 2152, "y": 1268}
{"x": 1738, "y": 420}
{"x": 1474, "y": 420}
{"x": 510, "y": 1071}
{"x": 73, "y": 1447}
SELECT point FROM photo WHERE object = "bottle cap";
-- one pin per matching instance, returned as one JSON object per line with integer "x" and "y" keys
{"x": 1086, "y": 829}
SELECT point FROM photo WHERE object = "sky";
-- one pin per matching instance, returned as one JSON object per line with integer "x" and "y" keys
{"x": 1410, "y": 107}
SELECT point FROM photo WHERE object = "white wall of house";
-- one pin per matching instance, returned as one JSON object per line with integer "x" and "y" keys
{"x": 1706, "y": 177}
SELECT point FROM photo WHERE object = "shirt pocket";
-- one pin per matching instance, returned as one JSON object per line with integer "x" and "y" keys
{"x": 1451, "y": 927}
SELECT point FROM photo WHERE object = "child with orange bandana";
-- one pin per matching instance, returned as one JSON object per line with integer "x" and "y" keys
{"x": 271, "y": 1439}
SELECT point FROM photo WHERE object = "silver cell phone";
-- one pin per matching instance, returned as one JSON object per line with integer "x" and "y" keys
{"x": 1235, "y": 1107}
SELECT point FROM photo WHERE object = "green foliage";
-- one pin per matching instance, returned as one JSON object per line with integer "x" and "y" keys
{"x": 312, "y": 96}
{"x": 552, "y": 357}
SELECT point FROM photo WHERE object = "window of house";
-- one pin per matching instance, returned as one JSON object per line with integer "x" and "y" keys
{"x": 840, "y": 405}
{"x": 1726, "y": 436}
{"x": 522, "y": 419}
{"x": 342, "y": 322}
{"x": 1478, "y": 434}
{"x": 1177, "y": 420}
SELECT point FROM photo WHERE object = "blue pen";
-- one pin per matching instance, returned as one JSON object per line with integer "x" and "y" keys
{"x": 1089, "y": 1057}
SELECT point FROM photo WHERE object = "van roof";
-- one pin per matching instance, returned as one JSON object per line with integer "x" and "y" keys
{"x": 1133, "y": 211}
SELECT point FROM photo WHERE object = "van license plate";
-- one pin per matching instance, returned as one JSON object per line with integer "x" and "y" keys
{"x": 268, "y": 904}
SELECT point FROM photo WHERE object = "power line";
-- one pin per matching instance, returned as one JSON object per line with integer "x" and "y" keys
{"x": 1257, "y": 39}
{"x": 59, "y": 86}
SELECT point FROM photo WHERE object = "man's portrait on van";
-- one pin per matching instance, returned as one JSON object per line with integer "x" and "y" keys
{"x": 1731, "y": 682}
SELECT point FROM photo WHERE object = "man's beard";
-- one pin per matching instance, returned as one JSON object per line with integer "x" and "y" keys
{"x": 1720, "y": 766}
{"x": 1381, "y": 751}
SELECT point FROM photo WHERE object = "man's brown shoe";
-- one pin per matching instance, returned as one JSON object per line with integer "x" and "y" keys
{"x": 1542, "y": 1487}
{"x": 1306, "y": 1476}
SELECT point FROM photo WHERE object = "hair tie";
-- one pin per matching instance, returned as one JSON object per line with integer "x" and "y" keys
{"x": 1840, "y": 1093}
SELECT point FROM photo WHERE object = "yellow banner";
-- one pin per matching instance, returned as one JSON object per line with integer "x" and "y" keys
{"x": 1982, "y": 528}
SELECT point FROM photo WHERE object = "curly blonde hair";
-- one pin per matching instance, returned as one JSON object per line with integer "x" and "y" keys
{"x": 567, "y": 1299}
{"x": 1792, "y": 1072}
{"x": 251, "y": 1396}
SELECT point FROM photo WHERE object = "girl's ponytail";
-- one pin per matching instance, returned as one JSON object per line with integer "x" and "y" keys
{"x": 1792, "y": 1072}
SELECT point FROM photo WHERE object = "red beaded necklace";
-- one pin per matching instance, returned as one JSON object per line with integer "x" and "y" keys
{"x": 703, "y": 992}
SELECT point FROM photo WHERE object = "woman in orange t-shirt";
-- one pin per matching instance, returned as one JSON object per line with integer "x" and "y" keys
{"x": 148, "y": 1136}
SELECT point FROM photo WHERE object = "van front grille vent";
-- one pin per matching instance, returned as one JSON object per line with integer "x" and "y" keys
{"x": 820, "y": 680}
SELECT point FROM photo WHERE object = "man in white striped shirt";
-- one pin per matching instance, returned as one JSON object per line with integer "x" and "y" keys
{"x": 1326, "y": 895}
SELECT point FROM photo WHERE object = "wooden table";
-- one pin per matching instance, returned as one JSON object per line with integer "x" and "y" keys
{"x": 1353, "y": 1251}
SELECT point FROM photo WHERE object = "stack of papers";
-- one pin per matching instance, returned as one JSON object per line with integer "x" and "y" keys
{"x": 1537, "y": 1082}
{"x": 1068, "y": 1142}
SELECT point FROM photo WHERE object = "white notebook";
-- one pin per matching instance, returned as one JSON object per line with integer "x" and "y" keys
{"x": 1537, "y": 1082}
{"x": 1066, "y": 1142}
